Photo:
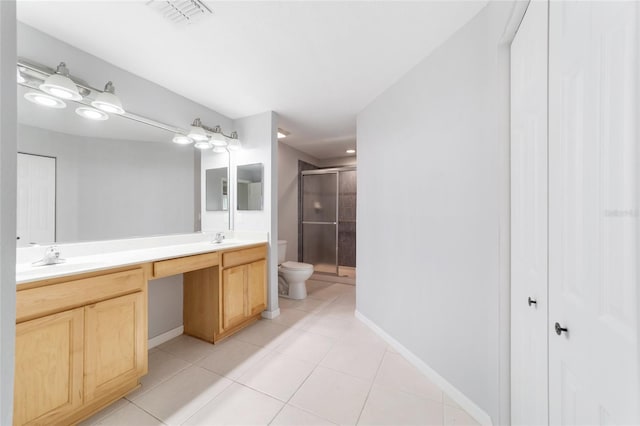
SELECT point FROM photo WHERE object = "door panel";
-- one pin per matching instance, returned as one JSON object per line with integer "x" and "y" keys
{"x": 594, "y": 212}
{"x": 233, "y": 308}
{"x": 529, "y": 219}
{"x": 49, "y": 367}
{"x": 115, "y": 343}
{"x": 36, "y": 199}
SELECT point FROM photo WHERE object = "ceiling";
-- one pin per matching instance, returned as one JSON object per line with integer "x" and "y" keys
{"x": 316, "y": 63}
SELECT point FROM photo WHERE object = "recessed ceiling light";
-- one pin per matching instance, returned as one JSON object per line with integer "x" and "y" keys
{"x": 282, "y": 133}
{"x": 351, "y": 151}
{"x": 92, "y": 113}
{"x": 44, "y": 100}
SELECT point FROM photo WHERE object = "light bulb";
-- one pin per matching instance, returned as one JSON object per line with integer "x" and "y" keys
{"x": 182, "y": 139}
{"x": 44, "y": 100}
{"x": 91, "y": 113}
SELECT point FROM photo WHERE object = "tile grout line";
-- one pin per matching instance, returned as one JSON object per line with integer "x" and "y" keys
{"x": 373, "y": 382}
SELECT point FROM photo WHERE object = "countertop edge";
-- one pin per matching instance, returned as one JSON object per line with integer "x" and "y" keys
{"x": 139, "y": 260}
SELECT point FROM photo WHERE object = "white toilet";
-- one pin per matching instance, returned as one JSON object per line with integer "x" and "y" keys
{"x": 292, "y": 276}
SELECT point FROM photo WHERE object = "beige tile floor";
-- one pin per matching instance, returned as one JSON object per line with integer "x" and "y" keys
{"x": 316, "y": 364}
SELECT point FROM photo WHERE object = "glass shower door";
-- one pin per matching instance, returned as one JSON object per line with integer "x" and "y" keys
{"x": 320, "y": 221}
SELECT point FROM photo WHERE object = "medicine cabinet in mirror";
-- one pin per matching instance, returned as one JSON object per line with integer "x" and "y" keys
{"x": 217, "y": 189}
{"x": 249, "y": 186}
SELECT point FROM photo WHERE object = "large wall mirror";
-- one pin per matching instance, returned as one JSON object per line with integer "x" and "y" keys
{"x": 249, "y": 187}
{"x": 85, "y": 180}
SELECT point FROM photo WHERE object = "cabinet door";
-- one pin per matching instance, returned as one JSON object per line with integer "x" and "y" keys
{"x": 233, "y": 296}
{"x": 48, "y": 370}
{"x": 115, "y": 343}
{"x": 256, "y": 287}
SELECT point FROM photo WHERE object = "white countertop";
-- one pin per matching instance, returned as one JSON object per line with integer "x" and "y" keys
{"x": 97, "y": 259}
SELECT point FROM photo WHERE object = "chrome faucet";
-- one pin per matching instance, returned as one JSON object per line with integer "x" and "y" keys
{"x": 218, "y": 238}
{"x": 51, "y": 257}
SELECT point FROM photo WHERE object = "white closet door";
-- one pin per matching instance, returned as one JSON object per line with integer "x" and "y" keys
{"x": 529, "y": 219}
{"x": 594, "y": 213}
{"x": 36, "y": 199}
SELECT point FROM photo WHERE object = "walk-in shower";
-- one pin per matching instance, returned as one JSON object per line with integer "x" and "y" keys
{"x": 328, "y": 220}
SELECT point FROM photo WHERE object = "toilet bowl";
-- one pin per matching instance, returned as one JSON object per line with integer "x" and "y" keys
{"x": 292, "y": 276}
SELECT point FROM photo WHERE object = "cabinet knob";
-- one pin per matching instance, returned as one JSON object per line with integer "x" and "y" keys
{"x": 532, "y": 302}
{"x": 559, "y": 329}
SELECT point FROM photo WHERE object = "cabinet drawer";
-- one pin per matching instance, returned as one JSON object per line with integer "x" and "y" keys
{"x": 240, "y": 257}
{"x": 40, "y": 301}
{"x": 181, "y": 265}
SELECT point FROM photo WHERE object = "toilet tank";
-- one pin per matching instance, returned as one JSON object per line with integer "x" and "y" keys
{"x": 282, "y": 251}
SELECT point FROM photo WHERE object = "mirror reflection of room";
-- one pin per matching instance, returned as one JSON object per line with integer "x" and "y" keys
{"x": 249, "y": 187}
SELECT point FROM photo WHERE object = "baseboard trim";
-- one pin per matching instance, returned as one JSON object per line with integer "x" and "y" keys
{"x": 461, "y": 399}
{"x": 165, "y": 337}
{"x": 271, "y": 314}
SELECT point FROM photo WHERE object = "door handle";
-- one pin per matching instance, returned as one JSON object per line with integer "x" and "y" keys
{"x": 532, "y": 301}
{"x": 559, "y": 329}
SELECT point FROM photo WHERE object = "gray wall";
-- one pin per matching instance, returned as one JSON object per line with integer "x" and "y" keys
{"x": 288, "y": 196}
{"x": 7, "y": 205}
{"x": 430, "y": 191}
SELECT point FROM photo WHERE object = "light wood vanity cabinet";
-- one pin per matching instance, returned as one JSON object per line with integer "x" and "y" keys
{"x": 77, "y": 354}
{"x": 221, "y": 301}
{"x": 81, "y": 341}
{"x": 243, "y": 293}
{"x": 49, "y": 368}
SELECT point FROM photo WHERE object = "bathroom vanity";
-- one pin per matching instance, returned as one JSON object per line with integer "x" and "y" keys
{"x": 81, "y": 326}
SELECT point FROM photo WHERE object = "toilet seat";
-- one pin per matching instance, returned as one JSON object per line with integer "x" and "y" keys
{"x": 297, "y": 266}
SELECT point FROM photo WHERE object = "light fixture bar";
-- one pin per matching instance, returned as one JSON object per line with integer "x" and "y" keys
{"x": 41, "y": 72}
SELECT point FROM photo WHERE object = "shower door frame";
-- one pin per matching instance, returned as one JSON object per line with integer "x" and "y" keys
{"x": 336, "y": 171}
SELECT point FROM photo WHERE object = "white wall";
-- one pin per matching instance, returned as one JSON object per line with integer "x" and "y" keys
{"x": 7, "y": 205}
{"x": 288, "y": 158}
{"x": 108, "y": 189}
{"x": 430, "y": 196}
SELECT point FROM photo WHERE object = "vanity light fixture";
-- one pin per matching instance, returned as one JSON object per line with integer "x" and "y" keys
{"x": 44, "y": 100}
{"x": 60, "y": 85}
{"x": 196, "y": 131}
{"x": 219, "y": 149}
{"x": 218, "y": 137}
{"x": 182, "y": 139}
{"x": 202, "y": 145}
{"x": 107, "y": 101}
{"x": 234, "y": 142}
{"x": 21, "y": 79}
{"x": 92, "y": 113}
{"x": 351, "y": 151}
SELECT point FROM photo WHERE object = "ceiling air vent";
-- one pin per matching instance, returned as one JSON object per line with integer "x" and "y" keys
{"x": 180, "y": 11}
